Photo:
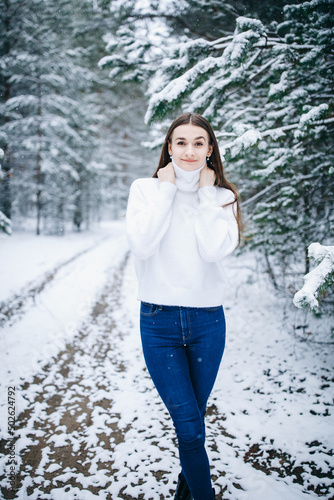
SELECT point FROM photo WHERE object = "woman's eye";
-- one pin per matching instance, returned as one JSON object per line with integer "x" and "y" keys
{"x": 182, "y": 143}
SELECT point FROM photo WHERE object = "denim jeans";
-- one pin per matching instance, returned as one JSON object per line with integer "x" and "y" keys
{"x": 183, "y": 348}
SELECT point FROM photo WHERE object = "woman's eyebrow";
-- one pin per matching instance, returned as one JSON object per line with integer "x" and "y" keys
{"x": 184, "y": 139}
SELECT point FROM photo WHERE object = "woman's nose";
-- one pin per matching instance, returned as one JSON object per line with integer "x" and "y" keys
{"x": 189, "y": 150}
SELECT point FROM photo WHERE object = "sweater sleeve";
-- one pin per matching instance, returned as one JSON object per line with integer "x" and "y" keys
{"x": 148, "y": 215}
{"x": 216, "y": 227}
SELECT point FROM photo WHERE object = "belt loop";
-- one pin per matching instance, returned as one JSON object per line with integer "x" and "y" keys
{"x": 160, "y": 308}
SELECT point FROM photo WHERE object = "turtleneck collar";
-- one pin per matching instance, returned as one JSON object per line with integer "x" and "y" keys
{"x": 187, "y": 181}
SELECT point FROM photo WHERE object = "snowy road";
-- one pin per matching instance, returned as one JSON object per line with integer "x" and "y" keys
{"x": 92, "y": 425}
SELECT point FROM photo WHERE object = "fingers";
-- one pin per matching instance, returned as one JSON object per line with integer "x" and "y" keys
{"x": 167, "y": 174}
{"x": 207, "y": 177}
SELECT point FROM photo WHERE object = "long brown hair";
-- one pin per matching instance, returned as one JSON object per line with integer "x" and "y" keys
{"x": 216, "y": 163}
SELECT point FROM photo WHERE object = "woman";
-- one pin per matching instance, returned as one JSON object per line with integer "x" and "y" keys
{"x": 181, "y": 224}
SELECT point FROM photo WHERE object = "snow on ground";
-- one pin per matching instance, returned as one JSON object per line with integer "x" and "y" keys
{"x": 94, "y": 427}
{"x": 25, "y": 257}
{"x": 54, "y": 316}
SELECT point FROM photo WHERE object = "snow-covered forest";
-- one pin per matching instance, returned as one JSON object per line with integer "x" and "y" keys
{"x": 70, "y": 135}
{"x": 87, "y": 91}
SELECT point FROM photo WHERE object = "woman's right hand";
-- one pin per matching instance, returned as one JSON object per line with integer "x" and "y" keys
{"x": 167, "y": 174}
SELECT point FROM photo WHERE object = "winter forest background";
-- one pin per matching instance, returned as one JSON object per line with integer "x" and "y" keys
{"x": 88, "y": 88}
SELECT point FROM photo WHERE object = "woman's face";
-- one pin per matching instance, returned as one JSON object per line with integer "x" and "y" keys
{"x": 189, "y": 146}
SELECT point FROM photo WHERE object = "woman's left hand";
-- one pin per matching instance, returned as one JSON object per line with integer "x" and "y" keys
{"x": 207, "y": 177}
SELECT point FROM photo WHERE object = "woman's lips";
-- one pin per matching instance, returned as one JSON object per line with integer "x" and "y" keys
{"x": 190, "y": 161}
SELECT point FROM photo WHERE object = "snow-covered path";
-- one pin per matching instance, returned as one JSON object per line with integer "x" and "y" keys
{"x": 52, "y": 284}
{"x": 93, "y": 425}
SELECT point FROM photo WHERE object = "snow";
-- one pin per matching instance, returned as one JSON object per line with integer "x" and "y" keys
{"x": 317, "y": 277}
{"x": 271, "y": 408}
{"x": 246, "y": 140}
{"x": 179, "y": 85}
{"x": 278, "y": 159}
{"x": 314, "y": 114}
{"x": 235, "y": 50}
{"x": 79, "y": 264}
{"x": 247, "y": 22}
{"x": 24, "y": 258}
{"x": 281, "y": 86}
{"x": 318, "y": 252}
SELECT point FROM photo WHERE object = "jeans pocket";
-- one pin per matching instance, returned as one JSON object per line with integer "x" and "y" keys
{"x": 147, "y": 309}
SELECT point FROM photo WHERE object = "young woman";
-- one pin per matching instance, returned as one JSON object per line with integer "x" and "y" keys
{"x": 181, "y": 224}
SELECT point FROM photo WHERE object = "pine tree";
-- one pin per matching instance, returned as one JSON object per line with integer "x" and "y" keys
{"x": 39, "y": 128}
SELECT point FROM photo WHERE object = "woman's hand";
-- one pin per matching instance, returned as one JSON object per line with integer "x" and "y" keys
{"x": 207, "y": 177}
{"x": 167, "y": 174}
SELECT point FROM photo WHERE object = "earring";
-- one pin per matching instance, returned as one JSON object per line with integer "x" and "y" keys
{"x": 171, "y": 157}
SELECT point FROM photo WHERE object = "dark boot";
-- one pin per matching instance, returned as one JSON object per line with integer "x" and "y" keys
{"x": 182, "y": 490}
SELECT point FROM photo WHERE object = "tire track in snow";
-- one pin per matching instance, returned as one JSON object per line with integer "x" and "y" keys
{"x": 21, "y": 301}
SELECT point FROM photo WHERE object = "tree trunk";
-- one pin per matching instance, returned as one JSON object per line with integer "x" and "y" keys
{"x": 78, "y": 215}
{"x": 6, "y": 196}
{"x": 307, "y": 260}
{"x": 38, "y": 161}
{"x": 270, "y": 270}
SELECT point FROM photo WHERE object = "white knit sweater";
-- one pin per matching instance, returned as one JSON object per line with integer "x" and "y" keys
{"x": 179, "y": 235}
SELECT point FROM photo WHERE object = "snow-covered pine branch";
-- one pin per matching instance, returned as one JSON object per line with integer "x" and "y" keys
{"x": 252, "y": 136}
{"x": 5, "y": 224}
{"x": 319, "y": 279}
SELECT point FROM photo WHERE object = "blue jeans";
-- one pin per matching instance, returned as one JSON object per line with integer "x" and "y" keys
{"x": 183, "y": 348}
